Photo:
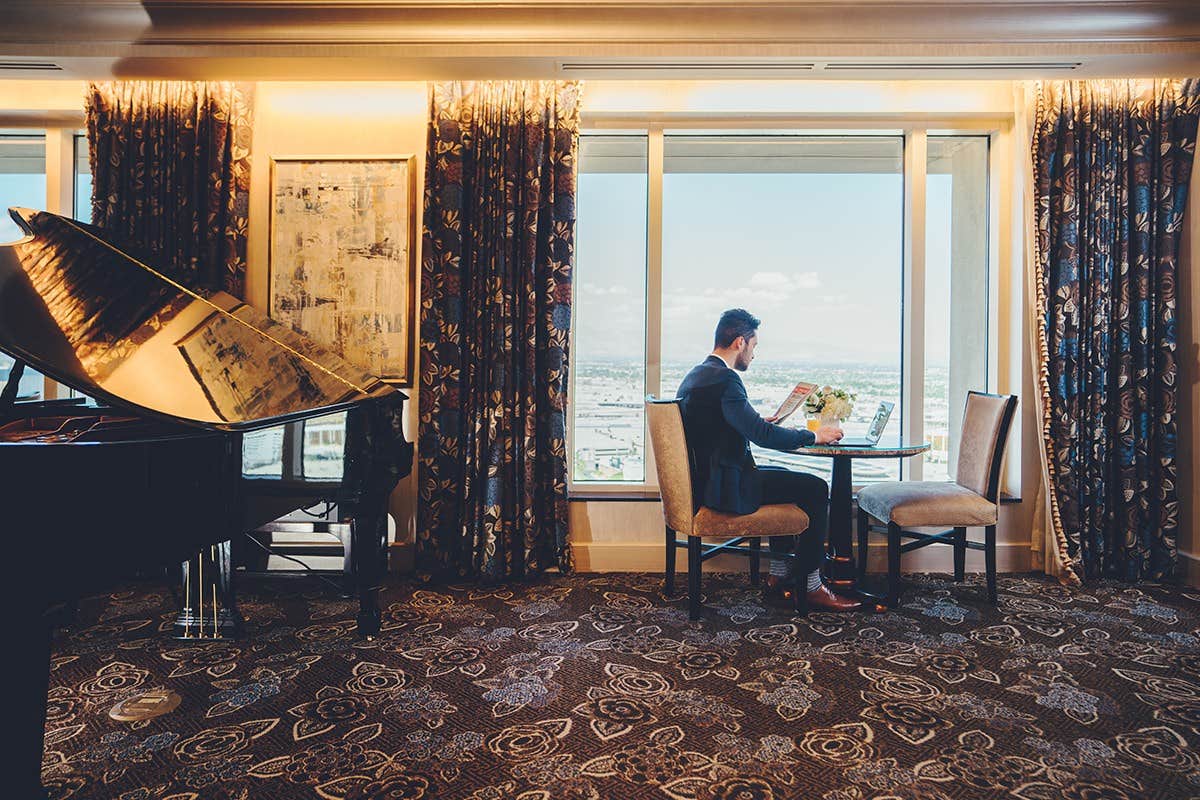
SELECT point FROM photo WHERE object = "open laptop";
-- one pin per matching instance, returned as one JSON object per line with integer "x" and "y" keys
{"x": 882, "y": 415}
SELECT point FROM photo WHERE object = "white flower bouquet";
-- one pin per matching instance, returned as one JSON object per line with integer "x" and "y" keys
{"x": 830, "y": 404}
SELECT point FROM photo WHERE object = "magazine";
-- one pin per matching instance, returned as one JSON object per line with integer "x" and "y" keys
{"x": 794, "y": 401}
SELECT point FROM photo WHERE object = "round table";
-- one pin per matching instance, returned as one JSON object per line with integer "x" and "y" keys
{"x": 840, "y": 570}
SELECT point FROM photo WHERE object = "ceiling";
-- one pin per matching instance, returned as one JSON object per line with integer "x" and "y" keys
{"x": 420, "y": 39}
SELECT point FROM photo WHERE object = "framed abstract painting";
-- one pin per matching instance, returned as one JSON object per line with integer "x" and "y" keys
{"x": 341, "y": 266}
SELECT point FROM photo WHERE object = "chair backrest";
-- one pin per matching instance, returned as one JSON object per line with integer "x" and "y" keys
{"x": 981, "y": 446}
{"x": 671, "y": 462}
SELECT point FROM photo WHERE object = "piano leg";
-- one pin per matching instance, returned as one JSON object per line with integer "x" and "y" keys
{"x": 346, "y": 537}
{"x": 368, "y": 555}
{"x": 29, "y": 655}
{"x": 173, "y": 573}
{"x": 231, "y": 615}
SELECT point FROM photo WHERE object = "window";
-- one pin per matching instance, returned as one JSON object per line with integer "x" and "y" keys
{"x": 312, "y": 450}
{"x": 609, "y": 337}
{"x": 22, "y": 183}
{"x": 83, "y": 180}
{"x": 323, "y": 456}
{"x": 22, "y": 176}
{"x": 262, "y": 453}
{"x": 776, "y": 225}
{"x": 956, "y": 291}
{"x": 807, "y": 231}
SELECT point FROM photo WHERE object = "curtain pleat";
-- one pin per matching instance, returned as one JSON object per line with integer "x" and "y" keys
{"x": 497, "y": 254}
{"x": 1111, "y": 164}
{"x": 171, "y": 174}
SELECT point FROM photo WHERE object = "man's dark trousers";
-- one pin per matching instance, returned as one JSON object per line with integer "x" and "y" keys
{"x": 811, "y": 493}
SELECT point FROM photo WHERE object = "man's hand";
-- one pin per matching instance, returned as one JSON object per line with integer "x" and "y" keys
{"x": 828, "y": 434}
{"x": 771, "y": 419}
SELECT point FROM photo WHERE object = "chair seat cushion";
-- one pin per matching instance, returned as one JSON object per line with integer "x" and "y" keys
{"x": 783, "y": 519}
{"x": 917, "y": 503}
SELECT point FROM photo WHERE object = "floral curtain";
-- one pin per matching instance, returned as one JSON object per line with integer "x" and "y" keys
{"x": 1111, "y": 164}
{"x": 496, "y": 265}
{"x": 171, "y": 173}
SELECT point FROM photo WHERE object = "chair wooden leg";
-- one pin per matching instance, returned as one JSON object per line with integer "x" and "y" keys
{"x": 960, "y": 554}
{"x": 669, "y": 584}
{"x": 864, "y": 535}
{"x": 694, "y": 566}
{"x": 755, "y": 560}
{"x": 989, "y": 552}
{"x": 893, "y": 554}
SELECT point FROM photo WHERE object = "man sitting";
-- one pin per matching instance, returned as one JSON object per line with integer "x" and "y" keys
{"x": 720, "y": 423}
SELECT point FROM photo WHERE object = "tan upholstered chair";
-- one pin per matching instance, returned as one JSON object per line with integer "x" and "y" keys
{"x": 672, "y": 457}
{"x": 972, "y": 500}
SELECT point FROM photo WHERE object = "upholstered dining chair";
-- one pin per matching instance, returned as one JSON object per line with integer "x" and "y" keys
{"x": 971, "y": 500}
{"x": 673, "y": 461}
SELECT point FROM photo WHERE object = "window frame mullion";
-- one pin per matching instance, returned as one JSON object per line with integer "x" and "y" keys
{"x": 654, "y": 261}
{"x": 912, "y": 352}
{"x": 60, "y": 199}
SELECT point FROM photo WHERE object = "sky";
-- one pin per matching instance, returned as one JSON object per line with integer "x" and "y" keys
{"x": 19, "y": 190}
{"x": 29, "y": 190}
{"x": 817, "y": 257}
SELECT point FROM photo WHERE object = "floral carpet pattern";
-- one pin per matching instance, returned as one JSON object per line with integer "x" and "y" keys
{"x": 596, "y": 686}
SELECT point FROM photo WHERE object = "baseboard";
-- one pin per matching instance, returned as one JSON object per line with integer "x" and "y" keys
{"x": 648, "y": 557}
{"x": 1189, "y": 568}
{"x": 401, "y": 557}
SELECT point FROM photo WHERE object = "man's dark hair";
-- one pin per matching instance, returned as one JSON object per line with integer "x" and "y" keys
{"x": 734, "y": 323}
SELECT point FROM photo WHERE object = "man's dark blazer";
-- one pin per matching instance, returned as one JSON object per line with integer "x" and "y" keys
{"x": 720, "y": 423}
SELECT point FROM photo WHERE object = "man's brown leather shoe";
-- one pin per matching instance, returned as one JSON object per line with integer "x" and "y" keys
{"x": 826, "y": 600}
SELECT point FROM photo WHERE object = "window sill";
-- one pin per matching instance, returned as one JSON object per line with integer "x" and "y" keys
{"x": 623, "y": 495}
{"x": 652, "y": 496}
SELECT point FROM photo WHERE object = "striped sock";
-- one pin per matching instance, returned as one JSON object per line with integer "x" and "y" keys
{"x": 814, "y": 580}
{"x": 779, "y": 568}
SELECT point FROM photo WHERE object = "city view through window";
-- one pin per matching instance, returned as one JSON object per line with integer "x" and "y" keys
{"x": 807, "y": 234}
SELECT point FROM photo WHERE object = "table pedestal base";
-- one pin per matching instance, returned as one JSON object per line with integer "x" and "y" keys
{"x": 839, "y": 569}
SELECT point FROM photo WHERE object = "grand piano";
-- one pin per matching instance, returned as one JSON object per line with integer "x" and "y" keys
{"x": 150, "y": 472}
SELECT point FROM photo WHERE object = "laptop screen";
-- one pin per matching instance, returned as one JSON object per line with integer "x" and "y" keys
{"x": 880, "y": 422}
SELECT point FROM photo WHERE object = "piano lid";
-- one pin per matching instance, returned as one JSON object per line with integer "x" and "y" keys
{"x": 95, "y": 317}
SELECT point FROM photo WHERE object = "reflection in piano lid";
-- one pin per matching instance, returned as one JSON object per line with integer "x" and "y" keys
{"x": 93, "y": 315}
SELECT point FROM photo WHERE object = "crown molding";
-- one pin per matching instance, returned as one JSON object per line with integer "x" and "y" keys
{"x": 266, "y": 38}
{"x": 242, "y": 22}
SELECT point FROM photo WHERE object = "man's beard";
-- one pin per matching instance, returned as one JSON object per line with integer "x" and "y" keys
{"x": 741, "y": 363}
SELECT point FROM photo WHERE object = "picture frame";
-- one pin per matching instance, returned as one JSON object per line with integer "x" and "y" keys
{"x": 341, "y": 261}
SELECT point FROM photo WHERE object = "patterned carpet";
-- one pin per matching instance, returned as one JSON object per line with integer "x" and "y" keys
{"x": 593, "y": 686}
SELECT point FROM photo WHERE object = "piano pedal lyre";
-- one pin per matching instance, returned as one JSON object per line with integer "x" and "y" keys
{"x": 209, "y": 610}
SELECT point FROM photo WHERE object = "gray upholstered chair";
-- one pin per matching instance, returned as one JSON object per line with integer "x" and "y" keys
{"x": 972, "y": 500}
{"x": 672, "y": 458}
